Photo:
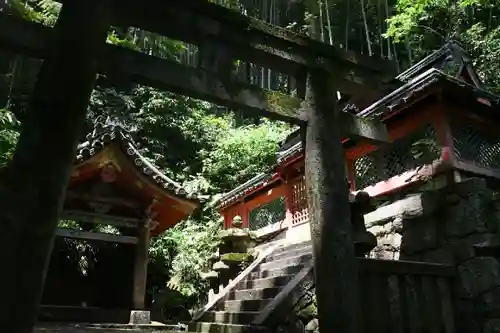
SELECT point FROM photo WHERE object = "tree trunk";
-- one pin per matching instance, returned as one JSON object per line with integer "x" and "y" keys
{"x": 329, "y": 212}
{"x": 33, "y": 187}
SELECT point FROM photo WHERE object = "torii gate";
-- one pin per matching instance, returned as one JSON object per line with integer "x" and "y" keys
{"x": 75, "y": 51}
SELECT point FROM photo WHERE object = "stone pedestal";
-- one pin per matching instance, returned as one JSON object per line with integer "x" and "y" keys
{"x": 140, "y": 317}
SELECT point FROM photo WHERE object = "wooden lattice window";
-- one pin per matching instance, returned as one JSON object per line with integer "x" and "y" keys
{"x": 269, "y": 213}
{"x": 298, "y": 202}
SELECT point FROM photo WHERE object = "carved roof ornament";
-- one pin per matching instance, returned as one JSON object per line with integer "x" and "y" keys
{"x": 109, "y": 173}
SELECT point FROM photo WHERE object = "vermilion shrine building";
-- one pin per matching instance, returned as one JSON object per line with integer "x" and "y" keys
{"x": 440, "y": 119}
{"x": 113, "y": 184}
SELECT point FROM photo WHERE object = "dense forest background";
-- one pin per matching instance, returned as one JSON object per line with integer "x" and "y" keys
{"x": 210, "y": 149}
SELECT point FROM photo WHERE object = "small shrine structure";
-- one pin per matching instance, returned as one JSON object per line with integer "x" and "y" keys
{"x": 113, "y": 184}
{"x": 440, "y": 120}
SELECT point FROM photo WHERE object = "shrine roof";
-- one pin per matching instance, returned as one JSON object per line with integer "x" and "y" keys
{"x": 414, "y": 82}
{"x": 451, "y": 54}
{"x": 256, "y": 182}
{"x": 103, "y": 135}
{"x": 420, "y": 85}
{"x": 290, "y": 147}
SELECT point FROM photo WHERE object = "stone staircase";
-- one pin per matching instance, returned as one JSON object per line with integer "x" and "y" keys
{"x": 240, "y": 307}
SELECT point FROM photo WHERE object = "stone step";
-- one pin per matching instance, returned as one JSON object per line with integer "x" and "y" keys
{"x": 82, "y": 328}
{"x": 272, "y": 273}
{"x": 292, "y": 247}
{"x": 289, "y": 253}
{"x": 246, "y": 305}
{"x": 287, "y": 261}
{"x": 202, "y": 327}
{"x": 279, "y": 281}
{"x": 239, "y": 318}
{"x": 250, "y": 294}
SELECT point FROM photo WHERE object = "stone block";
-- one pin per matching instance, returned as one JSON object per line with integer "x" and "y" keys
{"x": 140, "y": 317}
{"x": 489, "y": 302}
{"x": 466, "y": 317}
{"x": 477, "y": 276}
{"x": 440, "y": 256}
{"x": 419, "y": 234}
{"x": 377, "y": 230}
{"x": 463, "y": 249}
{"x": 384, "y": 252}
{"x": 474, "y": 213}
{"x": 397, "y": 225}
{"x": 492, "y": 326}
{"x": 390, "y": 242}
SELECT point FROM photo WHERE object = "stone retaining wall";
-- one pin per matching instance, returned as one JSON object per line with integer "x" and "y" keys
{"x": 443, "y": 226}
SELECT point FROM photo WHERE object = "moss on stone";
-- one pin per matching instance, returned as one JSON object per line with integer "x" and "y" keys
{"x": 231, "y": 258}
{"x": 282, "y": 104}
{"x": 309, "y": 312}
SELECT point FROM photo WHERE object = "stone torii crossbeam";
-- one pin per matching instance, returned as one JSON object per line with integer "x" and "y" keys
{"x": 75, "y": 51}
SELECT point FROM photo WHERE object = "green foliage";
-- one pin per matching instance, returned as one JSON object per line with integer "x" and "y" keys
{"x": 195, "y": 243}
{"x": 485, "y": 45}
{"x": 476, "y": 23}
{"x": 242, "y": 153}
{"x": 8, "y": 135}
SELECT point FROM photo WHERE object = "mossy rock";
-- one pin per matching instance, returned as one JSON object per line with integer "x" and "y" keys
{"x": 236, "y": 258}
{"x": 308, "y": 313}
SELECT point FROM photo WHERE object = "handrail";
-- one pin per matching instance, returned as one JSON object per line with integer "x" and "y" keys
{"x": 221, "y": 295}
{"x": 284, "y": 295}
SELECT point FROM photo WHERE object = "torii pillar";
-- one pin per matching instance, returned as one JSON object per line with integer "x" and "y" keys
{"x": 33, "y": 189}
{"x": 335, "y": 265}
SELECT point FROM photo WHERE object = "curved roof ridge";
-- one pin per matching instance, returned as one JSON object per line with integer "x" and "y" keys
{"x": 104, "y": 134}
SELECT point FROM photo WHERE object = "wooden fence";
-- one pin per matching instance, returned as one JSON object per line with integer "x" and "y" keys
{"x": 403, "y": 296}
{"x": 395, "y": 297}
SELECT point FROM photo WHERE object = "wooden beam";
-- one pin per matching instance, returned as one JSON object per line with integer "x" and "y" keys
{"x": 95, "y": 236}
{"x": 200, "y": 22}
{"x": 141, "y": 267}
{"x": 248, "y": 38}
{"x": 86, "y": 217}
{"x": 373, "y": 131}
{"x": 32, "y": 39}
{"x": 102, "y": 199}
{"x": 200, "y": 84}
